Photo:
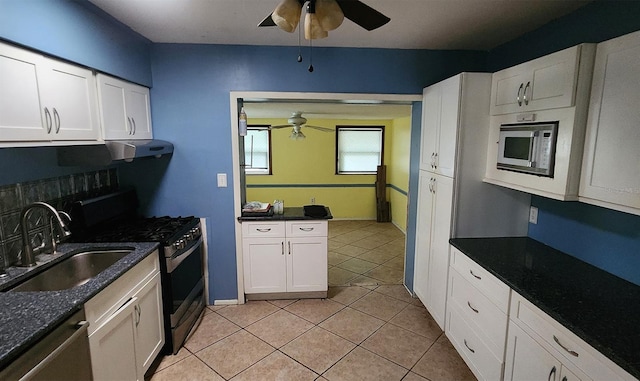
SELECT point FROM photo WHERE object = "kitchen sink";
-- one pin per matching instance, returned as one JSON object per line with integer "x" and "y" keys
{"x": 73, "y": 271}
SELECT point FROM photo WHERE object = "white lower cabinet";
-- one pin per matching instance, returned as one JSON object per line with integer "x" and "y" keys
{"x": 126, "y": 329}
{"x": 540, "y": 348}
{"x": 284, "y": 256}
{"x": 433, "y": 230}
{"x": 477, "y": 307}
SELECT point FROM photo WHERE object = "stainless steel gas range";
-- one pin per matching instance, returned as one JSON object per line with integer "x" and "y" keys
{"x": 112, "y": 218}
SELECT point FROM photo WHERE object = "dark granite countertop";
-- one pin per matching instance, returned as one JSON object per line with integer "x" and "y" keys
{"x": 26, "y": 317}
{"x": 600, "y": 308}
{"x": 290, "y": 213}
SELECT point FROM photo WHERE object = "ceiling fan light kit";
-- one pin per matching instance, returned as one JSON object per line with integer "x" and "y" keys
{"x": 287, "y": 15}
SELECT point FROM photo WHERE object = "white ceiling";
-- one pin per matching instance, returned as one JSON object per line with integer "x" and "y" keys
{"x": 415, "y": 24}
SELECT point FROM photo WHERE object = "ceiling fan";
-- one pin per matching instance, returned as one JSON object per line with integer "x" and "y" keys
{"x": 297, "y": 121}
{"x": 321, "y": 16}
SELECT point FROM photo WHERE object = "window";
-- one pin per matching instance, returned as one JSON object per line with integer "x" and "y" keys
{"x": 359, "y": 149}
{"x": 257, "y": 150}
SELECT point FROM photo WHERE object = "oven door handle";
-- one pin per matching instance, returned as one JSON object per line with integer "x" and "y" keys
{"x": 174, "y": 262}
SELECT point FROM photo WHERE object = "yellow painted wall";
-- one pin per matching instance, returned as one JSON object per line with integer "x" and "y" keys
{"x": 311, "y": 162}
{"x": 398, "y": 169}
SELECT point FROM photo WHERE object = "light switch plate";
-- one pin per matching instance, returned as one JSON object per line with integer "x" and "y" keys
{"x": 533, "y": 215}
{"x": 222, "y": 180}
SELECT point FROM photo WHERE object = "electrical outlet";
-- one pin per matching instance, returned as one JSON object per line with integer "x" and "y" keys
{"x": 533, "y": 215}
{"x": 313, "y": 200}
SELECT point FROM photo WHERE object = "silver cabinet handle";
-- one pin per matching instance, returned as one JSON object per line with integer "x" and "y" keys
{"x": 518, "y": 96}
{"x": 134, "y": 125}
{"x": 472, "y": 309}
{"x": 430, "y": 186}
{"x": 138, "y": 312}
{"x": 56, "y": 117}
{"x": 48, "y": 120}
{"x": 572, "y": 353}
{"x": 564, "y": 378}
{"x": 435, "y": 160}
{"x": 289, "y": 244}
{"x": 474, "y": 275}
{"x": 433, "y": 185}
{"x": 552, "y": 373}
{"x": 524, "y": 94}
{"x": 130, "y": 126}
{"x": 306, "y": 229}
{"x": 264, "y": 230}
{"x": 468, "y": 347}
{"x": 282, "y": 247}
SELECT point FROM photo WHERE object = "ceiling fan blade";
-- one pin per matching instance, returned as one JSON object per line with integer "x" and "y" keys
{"x": 268, "y": 21}
{"x": 362, "y": 14}
{"x": 280, "y": 126}
{"x": 324, "y": 129}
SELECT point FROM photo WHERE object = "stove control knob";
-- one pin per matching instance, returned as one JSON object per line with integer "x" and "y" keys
{"x": 188, "y": 237}
{"x": 179, "y": 244}
{"x": 196, "y": 231}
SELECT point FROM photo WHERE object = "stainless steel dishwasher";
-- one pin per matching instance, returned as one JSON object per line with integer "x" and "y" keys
{"x": 61, "y": 355}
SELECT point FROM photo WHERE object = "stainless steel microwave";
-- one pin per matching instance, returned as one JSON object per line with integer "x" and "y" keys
{"x": 528, "y": 147}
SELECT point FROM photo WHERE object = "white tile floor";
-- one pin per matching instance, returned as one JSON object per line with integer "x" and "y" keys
{"x": 369, "y": 328}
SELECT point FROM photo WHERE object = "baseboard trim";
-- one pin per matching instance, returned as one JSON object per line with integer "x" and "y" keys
{"x": 225, "y": 302}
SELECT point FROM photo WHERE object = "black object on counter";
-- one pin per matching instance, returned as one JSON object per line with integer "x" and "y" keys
{"x": 315, "y": 211}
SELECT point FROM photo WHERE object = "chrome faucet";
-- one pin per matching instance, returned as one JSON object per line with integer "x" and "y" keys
{"x": 28, "y": 258}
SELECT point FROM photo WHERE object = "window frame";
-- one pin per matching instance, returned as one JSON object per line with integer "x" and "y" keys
{"x": 358, "y": 128}
{"x": 269, "y": 171}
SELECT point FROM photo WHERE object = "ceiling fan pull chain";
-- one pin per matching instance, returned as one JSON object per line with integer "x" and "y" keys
{"x": 310, "y": 56}
{"x": 299, "y": 45}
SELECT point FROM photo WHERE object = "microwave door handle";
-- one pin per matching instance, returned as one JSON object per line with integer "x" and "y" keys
{"x": 533, "y": 149}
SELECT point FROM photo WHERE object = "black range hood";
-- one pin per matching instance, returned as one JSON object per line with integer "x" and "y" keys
{"x": 112, "y": 151}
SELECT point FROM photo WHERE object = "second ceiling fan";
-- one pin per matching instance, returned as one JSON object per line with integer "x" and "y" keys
{"x": 297, "y": 121}
{"x": 322, "y": 16}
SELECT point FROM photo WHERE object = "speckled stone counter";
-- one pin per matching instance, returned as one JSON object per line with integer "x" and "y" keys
{"x": 290, "y": 213}
{"x": 600, "y": 308}
{"x": 26, "y": 317}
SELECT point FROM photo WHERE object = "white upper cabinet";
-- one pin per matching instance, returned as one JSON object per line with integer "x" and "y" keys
{"x": 42, "y": 99}
{"x": 440, "y": 126}
{"x": 566, "y": 105}
{"x": 125, "y": 110}
{"x": 611, "y": 162}
{"x": 544, "y": 83}
{"x": 68, "y": 92}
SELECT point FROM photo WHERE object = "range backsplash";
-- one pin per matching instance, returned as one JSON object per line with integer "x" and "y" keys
{"x": 60, "y": 192}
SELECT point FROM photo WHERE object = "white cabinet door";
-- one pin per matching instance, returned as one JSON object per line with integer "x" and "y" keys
{"x": 439, "y": 251}
{"x": 139, "y": 110}
{"x": 306, "y": 264}
{"x": 527, "y": 360}
{"x": 265, "y": 265}
{"x": 20, "y": 112}
{"x": 440, "y": 106}
{"x": 611, "y": 161}
{"x": 68, "y": 92}
{"x": 431, "y": 113}
{"x": 124, "y": 109}
{"x": 435, "y": 199}
{"x": 149, "y": 336}
{"x": 544, "y": 83}
{"x": 423, "y": 235}
{"x": 112, "y": 346}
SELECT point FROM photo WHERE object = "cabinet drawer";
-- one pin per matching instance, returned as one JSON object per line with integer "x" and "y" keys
{"x": 478, "y": 277}
{"x": 482, "y": 314}
{"x": 307, "y": 228}
{"x": 480, "y": 359}
{"x": 562, "y": 343}
{"x": 105, "y": 303}
{"x": 263, "y": 229}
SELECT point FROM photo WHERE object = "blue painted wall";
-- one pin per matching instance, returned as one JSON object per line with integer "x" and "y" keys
{"x": 190, "y": 107}
{"x": 412, "y": 198}
{"x": 605, "y": 238}
{"x": 80, "y": 32}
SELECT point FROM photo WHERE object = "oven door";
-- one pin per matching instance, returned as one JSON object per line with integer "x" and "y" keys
{"x": 184, "y": 291}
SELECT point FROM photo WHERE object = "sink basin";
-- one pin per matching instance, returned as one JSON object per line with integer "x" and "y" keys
{"x": 73, "y": 271}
